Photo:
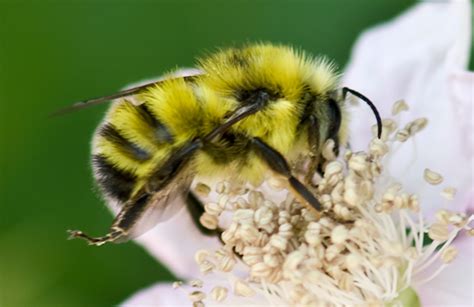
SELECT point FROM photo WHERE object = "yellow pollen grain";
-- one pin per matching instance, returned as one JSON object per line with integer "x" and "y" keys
{"x": 399, "y": 106}
{"x": 443, "y": 216}
{"x": 226, "y": 264}
{"x": 276, "y": 183}
{"x": 219, "y": 294}
{"x": 196, "y": 283}
{"x": 197, "y": 296}
{"x": 202, "y": 189}
{"x": 213, "y": 209}
{"x": 432, "y": 177}
{"x": 449, "y": 254}
{"x": 260, "y": 269}
{"x": 402, "y": 135}
{"x": 222, "y": 187}
{"x": 243, "y": 216}
{"x": 241, "y": 288}
{"x": 417, "y": 125}
{"x": 263, "y": 216}
{"x": 438, "y": 232}
{"x": 177, "y": 284}
{"x": 198, "y": 304}
{"x": 223, "y": 201}
{"x": 278, "y": 242}
{"x": 201, "y": 255}
{"x": 358, "y": 163}
{"x": 339, "y": 234}
{"x": 449, "y": 193}
{"x": 328, "y": 150}
{"x": 209, "y": 221}
{"x": 206, "y": 267}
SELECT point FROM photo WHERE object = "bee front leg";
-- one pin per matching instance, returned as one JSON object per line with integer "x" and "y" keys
{"x": 314, "y": 151}
{"x": 278, "y": 164}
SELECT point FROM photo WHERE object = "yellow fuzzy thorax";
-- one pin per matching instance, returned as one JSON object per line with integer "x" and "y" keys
{"x": 190, "y": 110}
{"x": 276, "y": 66}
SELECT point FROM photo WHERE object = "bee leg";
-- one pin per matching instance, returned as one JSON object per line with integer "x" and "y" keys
{"x": 131, "y": 212}
{"x": 113, "y": 235}
{"x": 279, "y": 165}
{"x": 313, "y": 142}
{"x": 128, "y": 222}
{"x": 312, "y": 168}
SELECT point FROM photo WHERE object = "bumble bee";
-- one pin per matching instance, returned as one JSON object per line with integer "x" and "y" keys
{"x": 245, "y": 111}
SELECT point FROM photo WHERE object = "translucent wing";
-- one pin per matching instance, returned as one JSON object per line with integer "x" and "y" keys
{"x": 144, "y": 212}
{"x": 156, "y": 201}
{"x": 187, "y": 74}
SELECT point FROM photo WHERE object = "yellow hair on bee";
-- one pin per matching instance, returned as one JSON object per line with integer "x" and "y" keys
{"x": 173, "y": 102}
{"x": 125, "y": 118}
{"x": 214, "y": 106}
{"x": 183, "y": 110}
{"x": 274, "y": 65}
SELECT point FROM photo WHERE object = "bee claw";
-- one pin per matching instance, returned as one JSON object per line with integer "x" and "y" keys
{"x": 73, "y": 234}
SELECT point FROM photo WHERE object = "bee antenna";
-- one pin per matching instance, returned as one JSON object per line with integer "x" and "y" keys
{"x": 371, "y": 105}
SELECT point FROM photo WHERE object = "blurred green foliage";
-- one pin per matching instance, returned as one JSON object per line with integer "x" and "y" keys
{"x": 56, "y": 52}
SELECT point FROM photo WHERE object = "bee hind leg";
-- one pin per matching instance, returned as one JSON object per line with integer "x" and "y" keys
{"x": 112, "y": 236}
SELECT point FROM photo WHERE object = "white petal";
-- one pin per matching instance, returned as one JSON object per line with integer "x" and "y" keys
{"x": 455, "y": 285}
{"x": 175, "y": 242}
{"x": 158, "y": 295}
{"x": 421, "y": 57}
{"x": 165, "y": 295}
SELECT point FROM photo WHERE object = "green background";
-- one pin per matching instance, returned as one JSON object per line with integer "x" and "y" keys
{"x": 55, "y": 52}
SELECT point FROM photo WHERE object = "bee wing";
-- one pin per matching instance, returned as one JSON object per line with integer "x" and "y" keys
{"x": 159, "y": 198}
{"x": 127, "y": 92}
{"x": 154, "y": 202}
{"x": 144, "y": 212}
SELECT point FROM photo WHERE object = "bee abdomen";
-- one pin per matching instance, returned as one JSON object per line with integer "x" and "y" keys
{"x": 113, "y": 181}
{"x": 160, "y": 132}
{"x": 128, "y": 148}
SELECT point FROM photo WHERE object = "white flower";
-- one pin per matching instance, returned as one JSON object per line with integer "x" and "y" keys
{"x": 420, "y": 57}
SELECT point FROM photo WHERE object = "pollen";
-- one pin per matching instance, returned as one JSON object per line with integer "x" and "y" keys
{"x": 432, "y": 177}
{"x": 197, "y": 296}
{"x": 367, "y": 249}
{"x": 439, "y": 232}
{"x": 399, "y": 106}
{"x": 241, "y": 288}
{"x": 196, "y": 283}
{"x": 202, "y": 189}
{"x": 219, "y": 294}
{"x": 449, "y": 193}
{"x": 208, "y": 220}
